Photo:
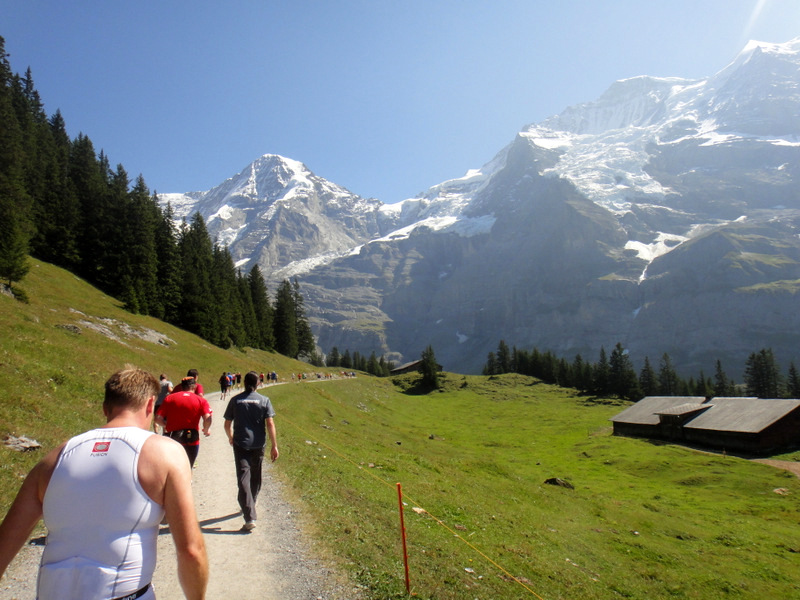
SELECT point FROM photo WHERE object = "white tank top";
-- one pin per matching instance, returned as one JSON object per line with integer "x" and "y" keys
{"x": 102, "y": 526}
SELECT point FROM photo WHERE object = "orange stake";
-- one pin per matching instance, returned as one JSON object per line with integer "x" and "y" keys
{"x": 403, "y": 535}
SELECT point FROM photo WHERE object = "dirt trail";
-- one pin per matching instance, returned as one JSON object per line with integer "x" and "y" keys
{"x": 787, "y": 465}
{"x": 274, "y": 562}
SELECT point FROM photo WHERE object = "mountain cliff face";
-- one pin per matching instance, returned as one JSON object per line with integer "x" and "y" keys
{"x": 665, "y": 215}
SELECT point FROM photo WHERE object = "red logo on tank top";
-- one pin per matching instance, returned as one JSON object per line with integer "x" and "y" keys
{"x": 101, "y": 447}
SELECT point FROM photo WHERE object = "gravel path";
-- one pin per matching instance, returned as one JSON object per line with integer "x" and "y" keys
{"x": 274, "y": 562}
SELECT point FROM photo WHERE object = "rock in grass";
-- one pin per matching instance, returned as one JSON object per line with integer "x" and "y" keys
{"x": 560, "y": 482}
{"x": 21, "y": 444}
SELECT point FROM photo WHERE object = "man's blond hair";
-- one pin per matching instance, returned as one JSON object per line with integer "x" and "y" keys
{"x": 131, "y": 388}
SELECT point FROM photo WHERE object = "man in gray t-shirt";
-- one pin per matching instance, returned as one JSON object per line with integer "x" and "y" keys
{"x": 248, "y": 421}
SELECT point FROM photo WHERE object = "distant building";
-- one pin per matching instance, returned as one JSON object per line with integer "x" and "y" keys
{"x": 745, "y": 425}
{"x": 409, "y": 368}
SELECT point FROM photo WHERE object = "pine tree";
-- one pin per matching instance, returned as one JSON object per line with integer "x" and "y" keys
{"x": 14, "y": 199}
{"x": 762, "y": 376}
{"x": 285, "y": 324}
{"x": 385, "y": 367}
{"x": 305, "y": 338}
{"x": 265, "y": 328}
{"x": 429, "y": 369}
{"x": 668, "y": 382}
{"x": 503, "y": 358}
{"x": 136, "y": 252}
{"x": 89, "y": 183}
{"x": 703, "y": 386}
{"x": 196, "y": 312}
{"x": 373, "y": 368}
{"x": 722, "y": 385}
{"x": 491, "y": 367}
{"x": 582, "y": 374}
{"x": 56, "y": 212}
{"x": 168, "y": 266}
{"x": 334, "y": 359}
{"x": 228, "y": 328}
{"x": 248, "y": 315}
{"x": 621, "y": 375}
{"x": 648, "y": 382}
{"x": 601, "y": 375}
{"x": 793, "y": 382}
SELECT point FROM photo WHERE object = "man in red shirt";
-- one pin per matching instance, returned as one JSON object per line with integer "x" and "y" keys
{"x": 199, "y": 387}
{"x": 180, "y": 415}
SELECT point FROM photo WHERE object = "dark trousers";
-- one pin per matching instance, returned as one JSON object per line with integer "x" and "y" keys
{"x": 248, "y": 474}
{"x": 192, "y": 452}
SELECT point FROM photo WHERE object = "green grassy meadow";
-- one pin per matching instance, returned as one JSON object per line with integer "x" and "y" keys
{"x": 644, "y": 520}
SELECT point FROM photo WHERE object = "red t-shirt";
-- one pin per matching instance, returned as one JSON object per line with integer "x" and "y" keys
{"x": 198, "y": 389}
{"x": 183, "y": 410}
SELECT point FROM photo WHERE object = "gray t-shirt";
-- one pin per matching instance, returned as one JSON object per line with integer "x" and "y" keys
{"x": 249, "y": 412}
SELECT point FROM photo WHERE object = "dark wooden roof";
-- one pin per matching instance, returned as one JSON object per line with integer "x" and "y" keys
{"x": 683, "y": 409}
{"x": 646, "y": 410}
{"x": 746, "y": 415}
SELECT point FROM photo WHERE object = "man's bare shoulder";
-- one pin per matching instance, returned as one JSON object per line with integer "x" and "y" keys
{"x": 160, "y": 460}
{"x": 162, "y": 446}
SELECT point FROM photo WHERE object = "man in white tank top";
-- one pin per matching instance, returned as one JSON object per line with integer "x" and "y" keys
{"x": 102, "y": 495}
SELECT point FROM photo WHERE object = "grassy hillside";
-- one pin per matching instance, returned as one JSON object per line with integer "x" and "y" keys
{"x": 57, "y": 351}
{"x": 644, "y": 520}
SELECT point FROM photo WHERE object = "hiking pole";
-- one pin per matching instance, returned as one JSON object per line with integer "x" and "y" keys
{"x": 403, "y": 535}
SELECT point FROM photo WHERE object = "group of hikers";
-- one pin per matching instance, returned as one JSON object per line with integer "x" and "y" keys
{"x": 115, "y": 485}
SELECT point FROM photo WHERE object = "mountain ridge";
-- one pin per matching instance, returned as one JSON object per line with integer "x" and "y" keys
{"x": 600, "y": 195}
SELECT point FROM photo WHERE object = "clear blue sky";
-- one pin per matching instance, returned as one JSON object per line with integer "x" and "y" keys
{"x": 386, "y": 98}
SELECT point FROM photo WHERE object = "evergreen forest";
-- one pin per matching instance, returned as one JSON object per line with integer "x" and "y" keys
{"x": 615, "y": 375}
{"x": 62, "y": 202}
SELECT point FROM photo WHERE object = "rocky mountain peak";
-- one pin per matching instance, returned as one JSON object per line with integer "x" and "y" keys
{"x": 663, "y": 215}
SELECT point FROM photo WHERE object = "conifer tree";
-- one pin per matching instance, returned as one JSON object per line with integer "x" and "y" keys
{"x": 648, "y": 382}
{"x": 503, "y": 358}
{"x": 703, "y": 386}
{"x": 265, "y": 329}
{"x": 56, "y": 213}
{"x": 793, "y": 382}
{"x": 14, "y": 199}
{"x": 334, "y": 359}
{"x": 89, "y": 183}
{"x": 305, "y": 339}
{"x": 373, "y": 368}
{"x": 196, "y": 311}
{"x": 248, "y": 316}
{"x": 384, "y": 366}
{"x": 491, "y": 368}
{"x": 347, "y": 360}
{"x": 762, "y": 376}
{"x": 168, "y": 266}
{"x": 668, "y": 382}
{"x": 601, "y": 375}
{"x": 138, "y": 265}
{"x": 582, "y": 374}
{"x": 228, "y": 327}
{"x": 622, "y": 377}
{"x": 429, "y": 368}
{"x": 285, "y": 324}
{"x": 722, "y": 385}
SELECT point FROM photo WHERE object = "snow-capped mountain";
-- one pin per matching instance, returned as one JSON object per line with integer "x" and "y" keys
{"x": 663, "y": 215}
{"x": 277, "y": 213}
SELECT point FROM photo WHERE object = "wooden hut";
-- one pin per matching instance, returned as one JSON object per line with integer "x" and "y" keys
{"x": 743, "y": 425}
